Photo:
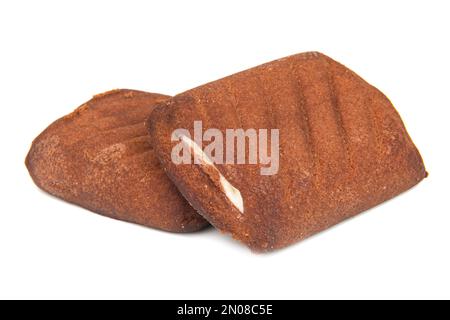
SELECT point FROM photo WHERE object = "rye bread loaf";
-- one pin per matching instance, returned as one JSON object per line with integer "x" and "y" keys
{"x": 343, "y": 149}
{"x": 99, "y": 157}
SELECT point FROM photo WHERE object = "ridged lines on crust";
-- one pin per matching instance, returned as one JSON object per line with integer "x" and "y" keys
{"x": 123, "y": 126}
{"x": 337, "y": 111}
{"x": 136, "y": 138}
{"x": 375, "y": 129}
{"x": 273, "y": 123}
{"x": 304, "y": 118}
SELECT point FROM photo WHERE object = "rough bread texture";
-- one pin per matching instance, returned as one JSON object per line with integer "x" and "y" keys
{"x": 343, "y": 149}
{"x": 99, "y": 157}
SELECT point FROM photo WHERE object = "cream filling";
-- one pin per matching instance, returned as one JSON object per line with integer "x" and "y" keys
{"x": 233, "y": 194}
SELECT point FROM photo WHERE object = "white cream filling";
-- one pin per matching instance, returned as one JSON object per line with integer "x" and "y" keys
{"x": 233, "y": 194}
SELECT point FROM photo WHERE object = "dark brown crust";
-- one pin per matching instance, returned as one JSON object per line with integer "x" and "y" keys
{"x": 99, "y": 157}
{"x": 344, "y": 148}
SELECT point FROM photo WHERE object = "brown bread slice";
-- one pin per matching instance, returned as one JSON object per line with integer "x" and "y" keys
{"x": 343, "y": 149}
{"x": 99, "y": 157}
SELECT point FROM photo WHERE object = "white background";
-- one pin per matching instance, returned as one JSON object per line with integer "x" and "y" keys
{"x": 54, "y": 55}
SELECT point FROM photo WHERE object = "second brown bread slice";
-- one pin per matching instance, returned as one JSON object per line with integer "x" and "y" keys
{"x": 99, "y": 157}
{"x": 342, "y": 149}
